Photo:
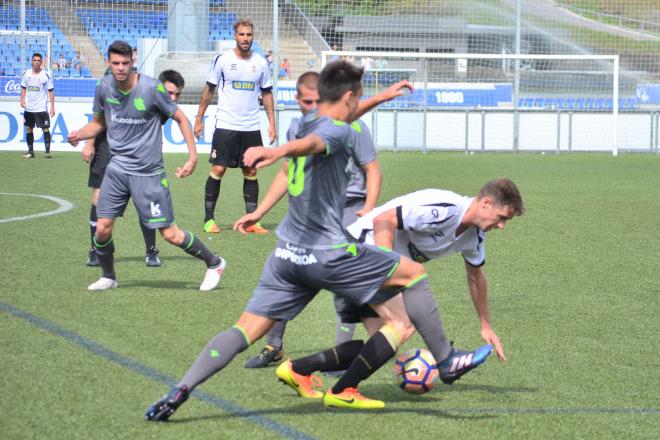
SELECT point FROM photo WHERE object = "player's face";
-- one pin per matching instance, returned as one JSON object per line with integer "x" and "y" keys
{"x": 244, "y": 37}
{"x": 36, "y": 63}
{"x": 172, "y": 90}
{"x": 120, "y": 66}
{"x": 308, "y": 99}
{"x": 493, "y": 216}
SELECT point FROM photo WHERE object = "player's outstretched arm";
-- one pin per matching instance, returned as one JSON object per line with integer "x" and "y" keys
{"x": 374, "y": 181}
{"x": 476, "y": 279}
{"x": 90, "y": 130}
{"x": 188, "y": 168}
{"x": 260, "y": 157}
{"x": 393, "y": 91}
{"x": 204, "y": 101}
{"x": 385, "y": 225}
{"x": 275, "y": 193}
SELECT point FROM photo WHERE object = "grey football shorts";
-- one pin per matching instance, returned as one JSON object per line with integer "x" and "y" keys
{"x": 293, "y": 275}
{"x": 151, "y": 197}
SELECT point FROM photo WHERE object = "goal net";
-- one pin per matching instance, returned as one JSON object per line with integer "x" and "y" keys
{"x": 17, "y": 50}
{"x": 490, "y": 102}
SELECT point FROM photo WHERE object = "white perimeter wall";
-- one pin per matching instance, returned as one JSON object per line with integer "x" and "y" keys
{"x": 445, "y": 130}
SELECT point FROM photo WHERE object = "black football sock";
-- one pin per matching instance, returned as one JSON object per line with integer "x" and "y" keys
{"x": 335, "y": 359}
{"x": 47, "y": 140}
{"x": 211, "y": 194}
{"x": 344, "y": 331}
{"x": 216, "y": 355}
{"x": 194, "y": 246}
{"x": 105, "y": 251}
{"x": 276, "y": 334}
{"x": 378, "y": 349}
{"x": 92, "y": 223}
{"x": 30, "y": 142}
{"x": 149, "y": 237}
{"x": 250, "y": 193}
{"x": 423, "y": 311}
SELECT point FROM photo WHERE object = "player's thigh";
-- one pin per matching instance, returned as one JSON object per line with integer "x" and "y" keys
{"x": 42, "y": 120}
{"x": 153, "y": 200}
{"x": 28, "y": 119}
{"x": 354, "y": 272}
{"x": 226, "y": 148}
{"x": 351, "y": 313}
{"x": 280, "y": 293}
{"x": 249, "y": 139}
{"x": 407, "y": 272}
{"x": 113, "y": 195}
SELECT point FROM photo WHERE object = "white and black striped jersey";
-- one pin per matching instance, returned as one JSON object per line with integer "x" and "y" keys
{"x": 427, "y": 222}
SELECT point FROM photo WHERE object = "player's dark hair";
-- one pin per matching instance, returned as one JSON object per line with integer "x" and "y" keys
{"x": 504, "y": 193}
{"x": 37, "y": 54}
{"x": 309, "y": 80}
{"x": 243, "y": 22}
{"x": 338, "y": 78}
{"x": 172, "y": 76}
{"x": 120, "y": 48}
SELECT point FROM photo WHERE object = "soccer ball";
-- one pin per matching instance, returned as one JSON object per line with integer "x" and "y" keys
{"x": 416, "y": 371}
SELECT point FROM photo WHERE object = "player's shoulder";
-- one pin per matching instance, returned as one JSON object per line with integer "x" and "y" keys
{"x": 26, "y": 72}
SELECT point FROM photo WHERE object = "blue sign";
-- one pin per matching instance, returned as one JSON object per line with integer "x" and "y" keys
{"x": 648, "y": 93}
{"x": 64, "y": 87}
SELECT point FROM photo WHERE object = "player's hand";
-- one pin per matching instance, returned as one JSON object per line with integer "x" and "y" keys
{"x": 490, "y": 337}
{"x": 364, "y": 211}
{"x": 88, "y": 151}
{"x": 52, "y": 112}
{"x": 259, "y": 157}
{"x": 246, "y": 221}
{"x": 198, "y": 129}
{"x": 272, "y": 134}
{"x": 186, "y": 170}
{"x": 22, "y": 104}
{"x": 397, "y": 89}
{"x": 74, "y": 138}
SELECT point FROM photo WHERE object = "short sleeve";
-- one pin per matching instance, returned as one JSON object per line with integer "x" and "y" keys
{"x": 425, "y": 218}
{"x": 476, "y": 257}
{"x": 24, "y": 80}
{"x": 163, "y": 102}
{"x": 365, "y": 152}
{"x": 50, "y": 85}
{"x": 99, "y": 99}
{"x": 213, "y": 76}
{"x": 336, "y": 135}
{"x": 266, "y": 81}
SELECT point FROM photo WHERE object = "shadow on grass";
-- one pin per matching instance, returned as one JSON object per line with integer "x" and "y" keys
{"x": 161, "y": 284}
{"x": 164, "y": 260}
{"x": 316, "y": 408}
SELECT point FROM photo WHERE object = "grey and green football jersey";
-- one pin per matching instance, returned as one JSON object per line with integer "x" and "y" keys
{"x": 364, "y": 152}
{"x": 317, "y": 186}
{"x": 133, "y": 123}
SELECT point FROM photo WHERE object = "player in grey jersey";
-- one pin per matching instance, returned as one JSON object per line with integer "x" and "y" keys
{"x": 314, "y": 251}
{"x": 97, "y": 153}
{"x": 426, "y": 225}
{"x": 130, "y": 107}
{"x": 361, "y": 197}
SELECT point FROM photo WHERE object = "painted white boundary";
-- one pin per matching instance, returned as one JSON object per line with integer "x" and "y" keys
{"x": 63, "y": 206}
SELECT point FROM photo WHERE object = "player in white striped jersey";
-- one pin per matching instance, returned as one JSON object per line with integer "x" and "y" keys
{"x": 425, "y": 225}
{"x": 241, "y": 77}
{"x": 36, "y": 89}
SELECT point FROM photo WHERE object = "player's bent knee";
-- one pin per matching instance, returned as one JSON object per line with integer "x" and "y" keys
{"x": 250, "y": 173}
{"x": 172, "y": 235}
{"x": 217, "y": 172}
